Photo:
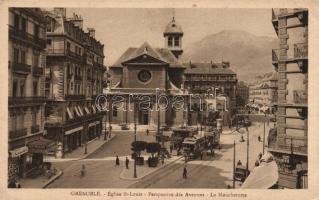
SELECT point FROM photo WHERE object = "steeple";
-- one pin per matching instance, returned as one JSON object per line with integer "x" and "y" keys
{"x": 173, "y": 37}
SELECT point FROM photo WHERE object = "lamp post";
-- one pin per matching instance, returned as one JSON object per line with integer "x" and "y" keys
{"x": 264, "y": 134}
{"x": 135, "y": 175}
{"x": 86, "y": 143}
{"x": 105, "y": 125}
{"x": 234, "y": 166}
{"x": 247, "y": 151}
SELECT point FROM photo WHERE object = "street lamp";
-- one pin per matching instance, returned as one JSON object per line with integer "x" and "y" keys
{"x": 86, "y": 143}
{"x": 264, "y": 134}
{"x": 234, "y": 166}
{"x": 247, "y": 151}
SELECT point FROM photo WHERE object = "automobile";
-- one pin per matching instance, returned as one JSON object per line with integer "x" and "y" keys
{"x": 241, "y": 173}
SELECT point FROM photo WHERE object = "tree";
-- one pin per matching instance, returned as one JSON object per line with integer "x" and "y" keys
{"x": 138, "y": 146}
{"x": 153, "y": 148}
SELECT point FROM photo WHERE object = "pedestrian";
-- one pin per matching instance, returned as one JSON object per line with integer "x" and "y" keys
{"x": 185, "y": 173}
{"x": 259, "y": 138}
{"x": 117, "y": 161}
{"x": 259, "y": 156}
{"x": 147, "y": 131}
{"x": 83, "y": 170}
{"x": 201, "y": 155}
{"x": 163, "y": 160}
{"x": 127, "y": 161}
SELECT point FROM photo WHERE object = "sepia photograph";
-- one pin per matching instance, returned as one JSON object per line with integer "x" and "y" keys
{"x": 156, "y": 98}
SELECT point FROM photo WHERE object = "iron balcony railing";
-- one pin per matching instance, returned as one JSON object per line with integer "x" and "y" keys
{"x": 300, "y": 97}
{"x": 18, "y": 133}
{"x": 74, "y": 97}
{"x": 301, "y": 50}
{"x": 275, "y": 55}
{"x": 20, "y": 67}
{"x": 26, "y": 100}
{"x": 26, "y": 37}
{"x": 64, "y": 52}
{"x": 37, "y": 71}
{"x": 35, "y": 129}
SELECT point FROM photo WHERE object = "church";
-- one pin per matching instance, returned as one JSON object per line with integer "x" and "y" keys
{"x": 149, "y": 72}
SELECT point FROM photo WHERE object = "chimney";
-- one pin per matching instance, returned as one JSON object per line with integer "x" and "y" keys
{"x": 226, "y": 64}
{"x": 60, "y": 11}
{"x": 77, "y": 21}
{"x": 91, "y": 32}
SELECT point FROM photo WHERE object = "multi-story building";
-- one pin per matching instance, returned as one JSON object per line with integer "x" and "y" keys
{"x": 290, "y": 144}
{"x": 27, "y": 42}
{"x": 242, "y": 94}
{"x": 74, "y": 76}
{"x": 263, "y": 92}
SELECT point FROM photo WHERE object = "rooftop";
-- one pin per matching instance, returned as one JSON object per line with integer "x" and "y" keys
{"x": 207, "y": 68}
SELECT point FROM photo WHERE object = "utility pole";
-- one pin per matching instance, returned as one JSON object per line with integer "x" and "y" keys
{"x": 234, "y": 166}
{"x": 264, "y": 134}
{"x": 135, "y": 175}
{"x": 247, "y": 151}
{"x": 86, "y": 143}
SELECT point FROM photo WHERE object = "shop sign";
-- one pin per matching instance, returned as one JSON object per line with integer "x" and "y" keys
{"x": 19, "y": 151}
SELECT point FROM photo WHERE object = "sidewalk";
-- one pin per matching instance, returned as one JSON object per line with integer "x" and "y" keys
{"x": 78, "y": 153}
{"x": 144, "y": 170}
{"x": 39, "y": 182}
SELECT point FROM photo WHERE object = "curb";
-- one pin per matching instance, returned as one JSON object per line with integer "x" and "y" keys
{"x": 106, "y": 141}
{"x": 60, "y": 173}
{"x": 134, "y": 179}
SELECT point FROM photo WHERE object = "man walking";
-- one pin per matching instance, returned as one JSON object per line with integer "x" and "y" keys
{"x": 185, "y": 173}
{"x": 117, "y": 161}
{"x": 127, "y": 161}
{"x": 147, "y": 131}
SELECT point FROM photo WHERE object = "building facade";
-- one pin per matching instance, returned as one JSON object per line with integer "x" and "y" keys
{"x": 216, "y": 79}
{"x": 27, "y": 42}
{"x": 242, "y": 94}
{"x": 290, "y": 144}
{"x": 148, "y": 72}
{"x": 74, "y": 77}
{"x": 263, "y": 92}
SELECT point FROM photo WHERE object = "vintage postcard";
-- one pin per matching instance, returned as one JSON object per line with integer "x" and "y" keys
{"x": 149, "y": 100}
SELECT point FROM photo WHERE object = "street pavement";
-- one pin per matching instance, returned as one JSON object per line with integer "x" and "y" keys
{"x": 216, "y": 172}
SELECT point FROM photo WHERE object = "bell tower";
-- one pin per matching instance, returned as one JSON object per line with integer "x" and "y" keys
{"x": 173, "y": 35}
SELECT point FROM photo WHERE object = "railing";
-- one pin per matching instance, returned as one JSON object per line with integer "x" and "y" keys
{"x": 25, "y": 100}
{"x": 26, "y": 36}
{"x": 301, "y": 50}
{"x": 37, "y": 71}
{"x": 275, "y": 53}
{"x": 299, "y": 97}
{"x": 287, "y": 147}
{"x": 64, "y": 52}
{"x": 35, "y": 129}
{"x": 20, "y": 67}
{"x": 74, "y": 97}
{"x": 18, "y": 133}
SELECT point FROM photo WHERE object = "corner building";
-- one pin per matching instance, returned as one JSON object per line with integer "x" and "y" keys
{"x": 74, "y": 76}
{"x": 290, "y": 144}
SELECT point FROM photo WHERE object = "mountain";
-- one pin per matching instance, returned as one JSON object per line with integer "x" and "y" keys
{"x": 249, "y": 55}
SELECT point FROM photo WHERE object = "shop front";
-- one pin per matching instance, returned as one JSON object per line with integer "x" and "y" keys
{"x": 73, "y": 139}
{"x": 17, "y": 163}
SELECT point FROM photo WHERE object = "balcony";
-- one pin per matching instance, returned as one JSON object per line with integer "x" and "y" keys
{"x": 26, "y": 37}
{"x": 26, "y": 100}
{"x": 299, "y": 97}
{"x": 64, "y": 52}
{"x": 274, "y": 20}
{"x": 288, "y": 148}
{"x": 35, "y": 129}
{"x": 301, "y": 51}
{"x": 37, "y": 71}
{"x": 74, "y": 97}
{"x": 275, "y": 57}
{"x": 18, "y": 133}
{"x": 20, "y": 68}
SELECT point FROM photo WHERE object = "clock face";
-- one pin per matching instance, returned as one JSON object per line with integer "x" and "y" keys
{"x": 144, "y": 76}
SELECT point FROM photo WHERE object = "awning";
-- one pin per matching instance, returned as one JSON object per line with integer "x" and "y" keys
{"x": 94, "y": 111}
{"x": 42, "y": 145}
{"x": 18, "y": 151}
{"x": 87, "y": 110}
{"x": 77, "y": 111}
{"x": 73, "y": 130}
{"x": 69, "y": 113}
{"x": 80, "y": 110}
{"x": 262, "y": 177}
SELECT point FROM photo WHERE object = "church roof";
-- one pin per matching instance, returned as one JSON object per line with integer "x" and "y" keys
{"x": 173, "y": 27}
{"x": 161, "y": 54}
{"x": 207, "y": 68}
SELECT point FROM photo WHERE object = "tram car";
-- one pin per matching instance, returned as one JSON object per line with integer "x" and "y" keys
{"x": 179, "y": 134}
{"x": 193, "y": 146}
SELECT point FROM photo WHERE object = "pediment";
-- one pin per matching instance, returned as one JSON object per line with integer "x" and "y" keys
{"x": 145, "y": 59}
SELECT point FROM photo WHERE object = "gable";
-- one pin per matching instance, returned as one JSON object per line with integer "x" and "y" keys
{"x": 145, "y": 59}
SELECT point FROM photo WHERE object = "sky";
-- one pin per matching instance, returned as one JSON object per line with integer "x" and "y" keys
{"x": 121, "y": 28}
